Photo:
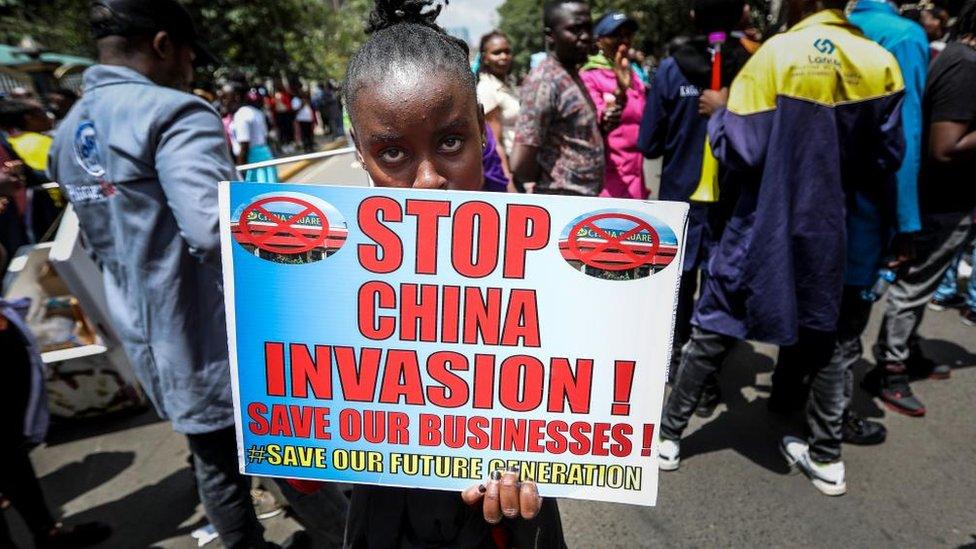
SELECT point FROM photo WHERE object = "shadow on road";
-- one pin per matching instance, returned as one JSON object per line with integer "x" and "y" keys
{"x": 149, "y": 515}
{"x": 66, "y": 431}
{"x": 80, "y": 477}
{"x": 947, "y": 352}
{"x": 746, "y": 427}
{"x": 863, "y": 402}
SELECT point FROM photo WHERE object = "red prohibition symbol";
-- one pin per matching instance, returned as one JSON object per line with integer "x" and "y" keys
{"x": 260, "y": 235}
{"x": 616, "y": 244}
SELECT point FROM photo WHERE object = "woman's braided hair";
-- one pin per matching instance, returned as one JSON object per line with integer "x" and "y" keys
{"x": 404, "y": 33}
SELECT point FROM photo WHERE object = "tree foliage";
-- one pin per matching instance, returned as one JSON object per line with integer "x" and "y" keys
{"x": 660, "y": 21}
{"x": 307, "y": 38}
{"x": 60, "y": 25}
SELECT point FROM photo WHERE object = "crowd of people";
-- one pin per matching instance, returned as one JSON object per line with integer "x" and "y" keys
{"x": 828, "y": 166}
{"x": 833, "y": 191}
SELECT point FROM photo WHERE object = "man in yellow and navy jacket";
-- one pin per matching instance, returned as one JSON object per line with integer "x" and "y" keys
{"x": 813, "y": 117}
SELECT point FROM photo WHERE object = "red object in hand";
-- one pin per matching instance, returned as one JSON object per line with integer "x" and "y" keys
{"x": 716, "y": 39}
{"x": 306, "y": 486}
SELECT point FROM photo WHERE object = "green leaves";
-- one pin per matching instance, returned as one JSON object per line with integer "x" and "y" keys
{"x": 307, "y": 38}
{"x": 660, "y": 21}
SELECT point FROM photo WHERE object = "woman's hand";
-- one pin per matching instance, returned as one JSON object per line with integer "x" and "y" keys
{"x": 621, "y": 69}
{"x": 503, "y": 496}
{"x": 611, "y": 117}
{"x": 13, "y": 177}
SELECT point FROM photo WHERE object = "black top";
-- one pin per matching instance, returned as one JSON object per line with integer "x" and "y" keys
{"x": 950, "y": 96}
{"x": 385, "y": 517}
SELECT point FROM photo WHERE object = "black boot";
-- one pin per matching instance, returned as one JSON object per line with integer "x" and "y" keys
{"x": 863, "y": 432}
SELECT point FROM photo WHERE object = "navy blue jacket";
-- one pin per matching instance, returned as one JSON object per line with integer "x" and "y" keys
{"x": 673, "y": 129}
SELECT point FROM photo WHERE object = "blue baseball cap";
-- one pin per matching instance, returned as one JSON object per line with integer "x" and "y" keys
{"x": 611, "y": 22}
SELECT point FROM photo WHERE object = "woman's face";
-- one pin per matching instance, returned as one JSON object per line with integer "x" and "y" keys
{"x": 610, "y": 44}
{"x": 420, "y": 131}
{"x": 497, "y": 56}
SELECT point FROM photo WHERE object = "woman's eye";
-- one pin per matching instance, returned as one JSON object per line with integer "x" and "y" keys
{"x": 392, "y": 155}
{"x": 452, "y": 144}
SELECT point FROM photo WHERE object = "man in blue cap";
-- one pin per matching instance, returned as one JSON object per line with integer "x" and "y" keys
{"x": 140, "y": 160}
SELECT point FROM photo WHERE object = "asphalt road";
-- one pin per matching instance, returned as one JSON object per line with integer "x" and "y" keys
{"x": 337, "y": 170}
{"x": 733, "y": 489}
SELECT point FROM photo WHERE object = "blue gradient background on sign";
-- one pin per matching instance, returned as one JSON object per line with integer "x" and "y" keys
{"x": 317, "y": 304}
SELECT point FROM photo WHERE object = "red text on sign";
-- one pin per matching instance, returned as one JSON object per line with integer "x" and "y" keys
{"x": 519, "y": 383}
{"x": 478, "y": 242}
{"x": 449, "y": 314}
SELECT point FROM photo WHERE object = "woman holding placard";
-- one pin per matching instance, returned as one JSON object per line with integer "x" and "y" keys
{"x": 417, "y": 124}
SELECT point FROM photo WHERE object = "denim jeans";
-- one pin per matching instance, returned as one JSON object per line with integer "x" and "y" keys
{"x": 704, "y": 355}
{"x": 224, "y": 492}
{"x": 950, "y": 286}
{"x": 942, "y": 238}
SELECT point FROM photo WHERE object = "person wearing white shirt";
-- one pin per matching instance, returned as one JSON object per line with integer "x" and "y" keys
{"x": 496, "y": 95}
{"x": 249, "y": 134}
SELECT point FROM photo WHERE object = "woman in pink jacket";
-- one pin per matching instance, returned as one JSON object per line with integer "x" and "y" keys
{"x": 619, "y": 96}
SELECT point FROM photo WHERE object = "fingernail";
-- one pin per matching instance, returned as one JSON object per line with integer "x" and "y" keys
{"x": 511, "y": 513}
{"x": 482, "y": 489}
{"x": 496, "y": 475}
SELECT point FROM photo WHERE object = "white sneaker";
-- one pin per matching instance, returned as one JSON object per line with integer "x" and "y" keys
{"x": 668, "y": 454}
{"x": 826, "y": 477}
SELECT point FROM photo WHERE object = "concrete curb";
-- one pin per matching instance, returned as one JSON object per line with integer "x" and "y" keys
{"x": 288, "y": 173}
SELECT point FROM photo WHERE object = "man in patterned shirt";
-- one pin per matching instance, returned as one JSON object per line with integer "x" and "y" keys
{"x": 558, "y": 141}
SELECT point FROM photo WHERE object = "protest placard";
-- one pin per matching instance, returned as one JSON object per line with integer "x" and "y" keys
{"x": 426, "y": 338}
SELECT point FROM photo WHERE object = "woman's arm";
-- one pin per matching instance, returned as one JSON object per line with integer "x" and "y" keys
{"x": 494, "y": 119}
{"x": 525, "y": 165}
{"x": 242, "y": 156}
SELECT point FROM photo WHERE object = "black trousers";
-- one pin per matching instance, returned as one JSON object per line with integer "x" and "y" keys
{"x": 284, "y": 121}
{"x": 384, "y": 516}
{"x": 813, "y": 358}
{"x": 789, "y": 381}
{"x": 224, "y": 492}
{"x": 18, "y": 481}
{"x": 307, "y": 131}
{"x": 682, "y": 316}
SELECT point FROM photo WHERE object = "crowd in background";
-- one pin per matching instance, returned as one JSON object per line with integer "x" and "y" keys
{"x": 811, "y": 200}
